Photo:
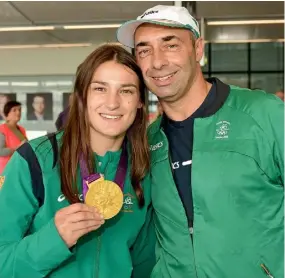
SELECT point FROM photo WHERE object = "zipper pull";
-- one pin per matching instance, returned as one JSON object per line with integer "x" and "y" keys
{"x": 266, "y": 271}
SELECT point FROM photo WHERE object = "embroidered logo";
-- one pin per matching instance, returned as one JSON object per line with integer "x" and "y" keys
{"x": 222, "y": 130}
{"x": 156, "y": 146}
{"x": 148, "y": 13}
{"x": 2, "y": 179}
{"x": 176, "y": 165}
{"x": 128, "y": 203}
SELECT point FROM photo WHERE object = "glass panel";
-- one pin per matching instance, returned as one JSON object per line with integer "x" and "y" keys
{"x": 269, "y": 82}
{"x": 229, "y": 57}
{"x": 267, "y": 56}
{"x": 152, "y": 107}
{"x": 205, "y": 59}
{"x": 240, "y": 80}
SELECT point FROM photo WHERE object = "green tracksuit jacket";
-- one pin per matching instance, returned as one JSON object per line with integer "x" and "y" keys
{"x": 30, "y": 245}
{"x": 237, "y": 187}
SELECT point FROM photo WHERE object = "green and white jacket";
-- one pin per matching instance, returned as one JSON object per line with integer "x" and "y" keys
{"x": 30, "y": 245}
{"x": 237, "y": 187}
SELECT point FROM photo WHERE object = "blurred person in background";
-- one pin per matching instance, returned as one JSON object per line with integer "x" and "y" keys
{"x": 62, "y": 117}
{"x": 105, "y": 134}
{"x": 12, "y": 135}
{"x": 3, "y": 100}
{"x": 217, "y": 155}
{"x": 280, "y": 94}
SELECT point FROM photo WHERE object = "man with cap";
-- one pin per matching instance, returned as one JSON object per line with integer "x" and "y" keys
{"x": 217, "y": 158}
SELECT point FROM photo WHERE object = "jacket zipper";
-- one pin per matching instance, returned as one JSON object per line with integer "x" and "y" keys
{"x": 99, "y": 241}
{"x": 191, "y": 229}
{"x": 267, "y": 272}
{"x": 191, "y": 235}
{"x": 97, "y": 262}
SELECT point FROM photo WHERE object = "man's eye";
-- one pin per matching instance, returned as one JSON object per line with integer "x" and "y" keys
{"x": 172, "y": 46}
{"x": 143, "y": 52}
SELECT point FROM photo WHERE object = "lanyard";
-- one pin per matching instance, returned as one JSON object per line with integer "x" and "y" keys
{"x": 120, "y": 174}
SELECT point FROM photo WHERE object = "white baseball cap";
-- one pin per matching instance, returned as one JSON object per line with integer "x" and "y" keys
{"x": 171, "y": 16}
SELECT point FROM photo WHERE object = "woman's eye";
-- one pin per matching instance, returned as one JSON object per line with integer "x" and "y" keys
{"x": 126, "y": 92}
{"x": 99, "y": 89}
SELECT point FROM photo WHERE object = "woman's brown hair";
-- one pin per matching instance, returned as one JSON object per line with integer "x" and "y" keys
{"x": 76, "y": 136}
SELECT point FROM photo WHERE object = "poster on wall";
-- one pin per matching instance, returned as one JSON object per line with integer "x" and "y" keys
{"x": 4, "y": 98}
{"x": 39, "y": 107}
{"x": 66, "y": 98}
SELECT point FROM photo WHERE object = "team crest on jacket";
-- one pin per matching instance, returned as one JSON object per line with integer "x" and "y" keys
{"x": 222, "y": 130}
{"x": 2, "y": 179}
{"x": 128, "y": 203}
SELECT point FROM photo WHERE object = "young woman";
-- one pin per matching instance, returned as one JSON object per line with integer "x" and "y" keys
{"x": 93, "y": 219}
{"x": 12, "y": 135}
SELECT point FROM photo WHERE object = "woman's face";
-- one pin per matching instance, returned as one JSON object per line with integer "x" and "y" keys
{"x": 14, "y": 114}
{"x": 113, "y": 99}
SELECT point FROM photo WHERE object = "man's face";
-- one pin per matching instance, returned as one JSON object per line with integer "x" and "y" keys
{"x": 169, "y": 59}
{"x": 39, "y": 104}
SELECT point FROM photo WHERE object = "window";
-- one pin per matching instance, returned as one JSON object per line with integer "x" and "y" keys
{"x": 205, "y": 68}
{"x": 152, "y": 102}
{"x": 230, "y": 63}
{"x": 230, "y": 57}
{"x": 269, "y": 82}
{"x": 267, "y": 56}
{"x": 240, "y": 80}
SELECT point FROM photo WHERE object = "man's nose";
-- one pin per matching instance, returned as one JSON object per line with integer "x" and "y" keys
{"x": 159, "y": 59}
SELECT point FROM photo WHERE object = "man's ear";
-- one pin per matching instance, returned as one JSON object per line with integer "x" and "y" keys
{"x": 199, "y": 47}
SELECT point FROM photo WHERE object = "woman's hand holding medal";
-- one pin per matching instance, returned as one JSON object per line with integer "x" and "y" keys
{"x": 76, "y": 220}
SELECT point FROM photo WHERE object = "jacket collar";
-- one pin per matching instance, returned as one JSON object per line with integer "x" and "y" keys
{"x": 222, "y": 93}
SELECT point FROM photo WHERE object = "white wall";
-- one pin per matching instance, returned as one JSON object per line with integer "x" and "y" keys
{"x": 37, "y": 65}
{"x": 42, "y": 61}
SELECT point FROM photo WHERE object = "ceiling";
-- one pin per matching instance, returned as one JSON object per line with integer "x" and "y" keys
{"x": 52, "y": 12}
{"x": 16, "y": 13}
{"x": 63, "y": 13}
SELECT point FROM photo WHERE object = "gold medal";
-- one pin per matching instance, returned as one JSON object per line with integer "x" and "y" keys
{"x": 106, "y": 196}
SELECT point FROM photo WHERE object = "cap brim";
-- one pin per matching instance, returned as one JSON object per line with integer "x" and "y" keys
{"x": 126, "y": 32}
